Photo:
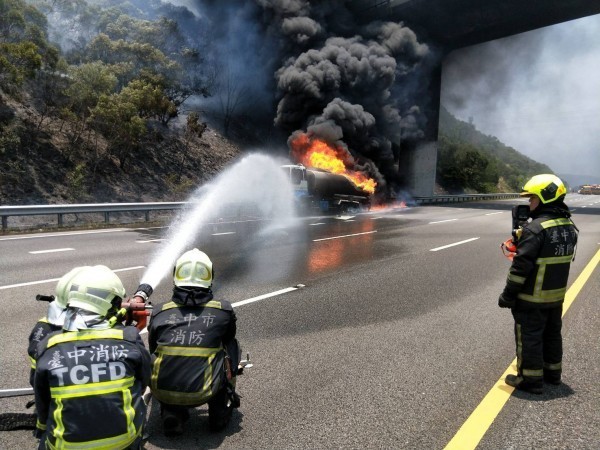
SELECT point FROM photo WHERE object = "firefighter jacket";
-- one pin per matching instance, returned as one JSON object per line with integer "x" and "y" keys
{"x": 88, "y": 388}
{"x": 41, "y": 329}
{"x": 540, "y": 269}
{"x": 188, "y": 338}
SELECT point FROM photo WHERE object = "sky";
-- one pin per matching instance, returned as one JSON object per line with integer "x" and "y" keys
{"x": 538, "y": 92}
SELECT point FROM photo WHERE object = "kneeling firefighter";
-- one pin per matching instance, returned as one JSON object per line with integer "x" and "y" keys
{"x": 537, "y": 283}
{"x": 54, "y": 318}
{"x": 90, "y": 378}
{"x": 195, "y": 352}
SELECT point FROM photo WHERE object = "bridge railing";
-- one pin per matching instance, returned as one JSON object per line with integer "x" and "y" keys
{"x": 106, "y": 209}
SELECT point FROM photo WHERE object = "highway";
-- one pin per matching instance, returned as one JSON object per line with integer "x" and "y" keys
{"x": 389, "y": 336}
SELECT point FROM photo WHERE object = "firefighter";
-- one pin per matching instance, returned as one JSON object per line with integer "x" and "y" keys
{"x": 537, "y": 283}
{"x": 90, "y": 376}
{"x": 196, "y": 355}
{"x": 54, "y": 319}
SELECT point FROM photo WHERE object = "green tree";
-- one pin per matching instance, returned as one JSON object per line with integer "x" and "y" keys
{"x": 150, "y": 100}
{"x": 88, "y": 83}
{"x": 117, "y": 119}
{"x": 24, "y": 47}
{"x": 18, "y": 62}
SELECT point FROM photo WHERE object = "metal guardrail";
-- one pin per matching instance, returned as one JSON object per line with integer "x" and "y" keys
{"x": 108, "y": 208}
{"x": 462, "y": 198}
{"x": 103, "y": 208}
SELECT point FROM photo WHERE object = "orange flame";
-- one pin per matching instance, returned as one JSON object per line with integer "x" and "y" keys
{"x": 314, "y": 152}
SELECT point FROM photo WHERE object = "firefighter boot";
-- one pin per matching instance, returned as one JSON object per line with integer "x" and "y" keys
{"x": 220, "y": 409}
{"x": 172, "y": 425}
{"x": 552, "y": 376}
{"x": 173, "y": 420}
{"x": 527, "y": 385}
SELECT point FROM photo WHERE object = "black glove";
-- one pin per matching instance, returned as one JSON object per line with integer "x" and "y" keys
{"x": 144, "y": 291}
{"x": 506, "y": 301}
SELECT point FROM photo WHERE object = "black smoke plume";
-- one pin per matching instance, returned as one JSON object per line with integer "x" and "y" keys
{"x": 308, "y": 65}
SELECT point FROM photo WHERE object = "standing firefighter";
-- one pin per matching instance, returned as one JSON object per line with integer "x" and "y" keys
{"x": 194, "y": 346}
{"x": 91, "y": 376}
{"x": 54, "y": 319}
{"x": 537, "y": 284}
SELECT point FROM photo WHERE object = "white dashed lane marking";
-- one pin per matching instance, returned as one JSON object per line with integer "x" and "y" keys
{"x": 54, "y": 250}
{"x": 344, "y": 236}
{"x": 442, "y": 221}
{"x": 452, "y": 245}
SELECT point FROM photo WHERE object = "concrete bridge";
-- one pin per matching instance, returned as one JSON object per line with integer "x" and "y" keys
{"x": 452, "y": 24}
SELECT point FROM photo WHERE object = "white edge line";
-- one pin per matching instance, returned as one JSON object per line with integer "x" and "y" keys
{"x": 39, "y": 252}
{"x": 17, "y": 391}
{"x": 73, "y": 233}
{"x": 491, "y": 214}
{"x": 149, "y": 240}
{"x": 221, "y": 234}
{"x": 452, "y": 245}
{"x": 318, "y": 223}
{"x": 31, "y": 283}
{"x": 442, "y": 221}
{"x": 262, "y": 297}
{"x": 344, "y": 236}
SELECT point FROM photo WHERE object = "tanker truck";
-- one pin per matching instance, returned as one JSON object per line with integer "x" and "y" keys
{"x": 317, "y": 190}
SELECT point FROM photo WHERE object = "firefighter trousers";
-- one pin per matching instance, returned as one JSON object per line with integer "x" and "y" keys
{"x": 539, "y": 343}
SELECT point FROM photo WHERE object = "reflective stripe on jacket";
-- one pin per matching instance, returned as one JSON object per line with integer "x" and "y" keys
{"x": 188, "y": 344}
{"x": 540, "y": 270}
{"x": 89, "y": 386}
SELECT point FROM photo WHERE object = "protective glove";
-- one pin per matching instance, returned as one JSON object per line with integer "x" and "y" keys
{"x": 506, "y": 301}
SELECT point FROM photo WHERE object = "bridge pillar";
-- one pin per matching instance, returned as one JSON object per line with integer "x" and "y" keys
{"x": 417, "y": 159}
{"x": 417, "y": 168}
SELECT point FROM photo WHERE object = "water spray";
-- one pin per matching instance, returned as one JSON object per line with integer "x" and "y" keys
{"x": 255, "y": 180}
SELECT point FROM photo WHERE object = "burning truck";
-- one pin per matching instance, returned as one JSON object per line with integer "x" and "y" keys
{"x": 322, "y": 178}
{"x": 317, "y": 189}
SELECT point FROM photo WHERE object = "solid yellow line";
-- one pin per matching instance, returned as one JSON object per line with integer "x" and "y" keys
{"x": 580, "y": 282}
{"x": 475, "y": 427}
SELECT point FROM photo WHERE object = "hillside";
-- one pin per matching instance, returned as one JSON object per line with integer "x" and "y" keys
{"x": 469, "y": 160}
{"x": 40, "y": 165}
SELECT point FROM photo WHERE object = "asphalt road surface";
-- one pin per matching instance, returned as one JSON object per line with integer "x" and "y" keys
{"x": 389, "y": 336}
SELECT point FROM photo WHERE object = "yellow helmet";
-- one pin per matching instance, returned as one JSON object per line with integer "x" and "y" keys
{"x": 64, "y": 286}
{"x": 546, "y": 187}
{"x": 193, "y": 269}
{"x": 95, "y": 289}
